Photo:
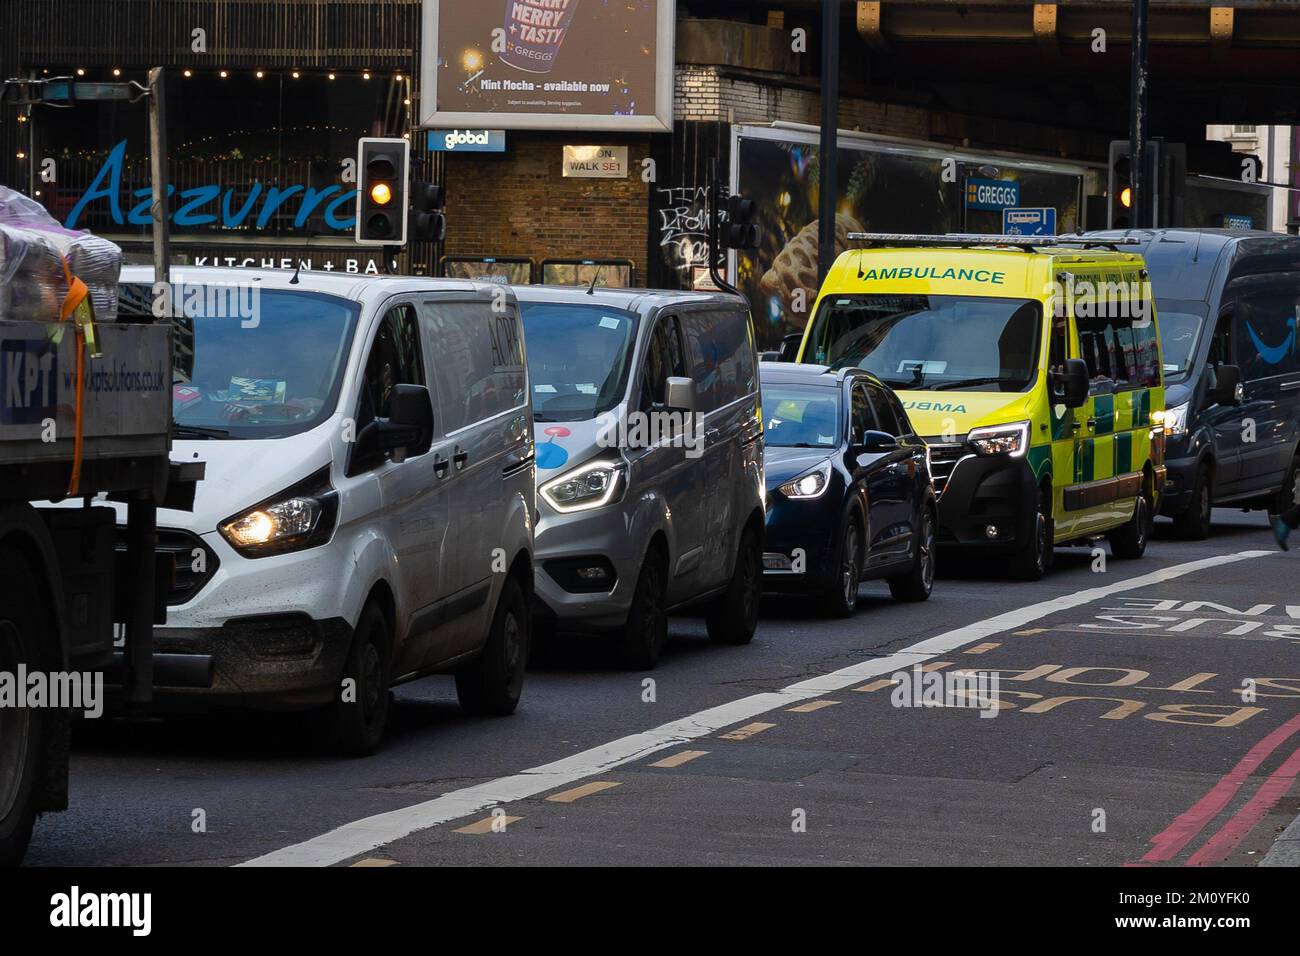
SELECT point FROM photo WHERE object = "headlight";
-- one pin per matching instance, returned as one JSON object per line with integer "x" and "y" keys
{"x": 811, "y": 484}
{"x": 1012, "y": 440}
{"x": 1174, "y": 419}
{"x": 594, "y": 485}
{"x": 291, "y": 521}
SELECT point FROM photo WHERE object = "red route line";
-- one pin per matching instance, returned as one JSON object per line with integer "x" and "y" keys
{"x": 1217, "y": 847}
{"x": 1170, "y": 841}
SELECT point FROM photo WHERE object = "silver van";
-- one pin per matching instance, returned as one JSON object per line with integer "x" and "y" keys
{"x": 649, "y": 440}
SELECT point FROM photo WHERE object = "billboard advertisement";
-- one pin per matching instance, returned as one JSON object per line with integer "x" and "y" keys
{"x": 884, "y": 186}
{"x": 548, "y": 64}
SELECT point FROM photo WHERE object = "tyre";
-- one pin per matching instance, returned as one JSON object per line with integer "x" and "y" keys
{"x": 1033, "y": 557}
{"x": 840, "y": 599}
{"x": 490, "y": 685}
{"x": 355, "y": 722}
{"x": 23, "y": 730}
{"x": 1130, "y": 542}
{"x": 917, "y": 583}
{"x": 733, "y": 617}
{"x": 1288, "y": 499}
{"x": 646, "y": 631}
{"x": 1194, "y": 523}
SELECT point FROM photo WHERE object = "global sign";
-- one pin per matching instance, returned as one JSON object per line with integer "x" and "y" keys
{"x": 992, "y": 194}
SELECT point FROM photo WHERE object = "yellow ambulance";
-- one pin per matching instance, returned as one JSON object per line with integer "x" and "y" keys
{"x": 1030, "y": 366}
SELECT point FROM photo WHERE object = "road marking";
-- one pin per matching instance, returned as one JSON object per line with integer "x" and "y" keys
{"x": 1273, "y": 789}
{"x": 1032, "y": 631}
{"x": 744, "y": 733}
{"x": 375, "y": 861}
{"x": 811, "y": 706}
{"x": 365, "y": 835}
{"x": 676, "y": 760}
{"x": 487, "y": 824}
{"x": 586, "y": 790}
{"x": 982, "y": 648}
{"x": 1169, "y": 842}
{"x": 889, "y": 681}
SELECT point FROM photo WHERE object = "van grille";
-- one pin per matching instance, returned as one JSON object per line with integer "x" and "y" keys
{"x": 180, "y": 545}
{"x": 943, "y": 458}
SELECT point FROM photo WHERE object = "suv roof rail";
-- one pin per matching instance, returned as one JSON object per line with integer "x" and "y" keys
{"x": 1026, "y": 243}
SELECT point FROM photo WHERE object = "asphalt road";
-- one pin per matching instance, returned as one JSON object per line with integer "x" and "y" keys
{"x": 1147, "y": 713}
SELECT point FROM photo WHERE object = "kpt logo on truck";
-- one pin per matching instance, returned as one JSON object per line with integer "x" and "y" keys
{"x": 28, "y": 381}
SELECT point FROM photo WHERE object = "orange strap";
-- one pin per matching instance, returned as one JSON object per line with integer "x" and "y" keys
{"x": 76, "y": 308}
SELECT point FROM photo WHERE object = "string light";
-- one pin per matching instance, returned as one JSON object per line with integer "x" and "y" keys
{"x": 398, "y": 77}
{"x": 366, "y": 75}
{"x": 116, "y": 71}
{"x": 81, "y": 71}
{"x": 331, "y": 76}
{"x": 223, "y": 74}
{"x": 294, "y": 74}
{"x": 188, "y": 73}
{"x": 260, "y": 74}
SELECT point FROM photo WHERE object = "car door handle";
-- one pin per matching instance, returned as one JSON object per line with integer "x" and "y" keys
{"x": 1092, "y": 423}
{"x": 460, "y": 457}
{"x": 440, "y": 466}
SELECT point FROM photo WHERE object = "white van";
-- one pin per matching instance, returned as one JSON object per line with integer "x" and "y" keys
{"x": 366, "y": 516}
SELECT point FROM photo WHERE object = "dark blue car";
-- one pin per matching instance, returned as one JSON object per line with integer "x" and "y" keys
{"x": 849, "y": 496}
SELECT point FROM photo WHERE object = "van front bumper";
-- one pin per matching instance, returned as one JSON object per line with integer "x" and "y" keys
{"x": 995, "y": 492}
{"x": 566, "y": 547}
{"x": 1182, "y": 463}
{"x": 277, "y": 662}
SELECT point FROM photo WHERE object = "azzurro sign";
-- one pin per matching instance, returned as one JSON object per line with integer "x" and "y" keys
{"x": 210, "y": 205}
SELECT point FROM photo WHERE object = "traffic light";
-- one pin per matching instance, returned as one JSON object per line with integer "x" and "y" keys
{"x": 740, "y": 231}
{"x": 383, "y": 170}
{"x": 1165, "y": 183}
{"x": 428, "y": 224}
{"x": 1119, "y": 187}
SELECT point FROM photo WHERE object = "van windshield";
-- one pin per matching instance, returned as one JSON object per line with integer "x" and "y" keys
{"x": 1180, "y": 330}
{"x": 931, "y": 342}
{"x": 251, "y": 362}
{"x": 578, "y": 358}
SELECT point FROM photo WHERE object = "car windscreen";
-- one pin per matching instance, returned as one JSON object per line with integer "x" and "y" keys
{"x": 1180, "y": 330}
{"x": 579, "y": 358}
{"x": 252, "y": 362}
{"x": 931, "y": 342}
{"x": 801, "y": 416}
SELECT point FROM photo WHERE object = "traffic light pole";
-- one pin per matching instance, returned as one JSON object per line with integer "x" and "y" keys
{"x": 715, "y": 232}
{"x": 828, "y": 184}
{"x": 1141, "y": 175}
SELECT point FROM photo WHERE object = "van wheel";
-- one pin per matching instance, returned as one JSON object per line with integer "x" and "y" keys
{"x": 23, "y": 730}
{"x": 1288, "y": 499}
{"x": 733, "y": 618}
{"x": 917, "y": 583}
{"x": 490, "y": 685}
{"x": 646, "y": 631}
{"x": 1033, "y": 557}
{"x": 1130, "y": 542}
{"x": 357, "y": 719}
{"x": 1194, "y": 523}
{"x": 840, "y": 599}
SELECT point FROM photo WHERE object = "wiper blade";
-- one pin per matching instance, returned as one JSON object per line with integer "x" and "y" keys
{"x": 966, "y": 383}
{"x": 199, "y": 431}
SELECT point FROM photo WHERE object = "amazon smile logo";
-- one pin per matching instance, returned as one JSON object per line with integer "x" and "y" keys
{"x": 1274, "y": 354}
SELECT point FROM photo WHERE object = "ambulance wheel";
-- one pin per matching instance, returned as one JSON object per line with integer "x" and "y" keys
{"x": 1130, "y": 542}
{"x": 1033, "y": 556}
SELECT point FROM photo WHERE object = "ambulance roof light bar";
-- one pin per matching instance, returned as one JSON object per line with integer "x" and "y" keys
{"x": 966, "y": 239}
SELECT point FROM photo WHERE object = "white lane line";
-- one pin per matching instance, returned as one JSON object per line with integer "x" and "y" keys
{"x": 363, "y": 836}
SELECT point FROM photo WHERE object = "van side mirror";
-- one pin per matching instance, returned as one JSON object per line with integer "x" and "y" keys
{"x": 679, "y": 394}
{"x": 789, "y": 349}
{"x": 409, "y": 424}
{"x": 1070, "y": 385}
{"x": 1227, "y": 388}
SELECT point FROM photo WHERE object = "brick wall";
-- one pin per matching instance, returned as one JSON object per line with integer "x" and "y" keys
{"x": 706, "y": 93}
{"x": 518, "y": 203}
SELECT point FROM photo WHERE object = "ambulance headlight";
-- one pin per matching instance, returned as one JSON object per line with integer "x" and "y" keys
{"x": 1011, "y": 440}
